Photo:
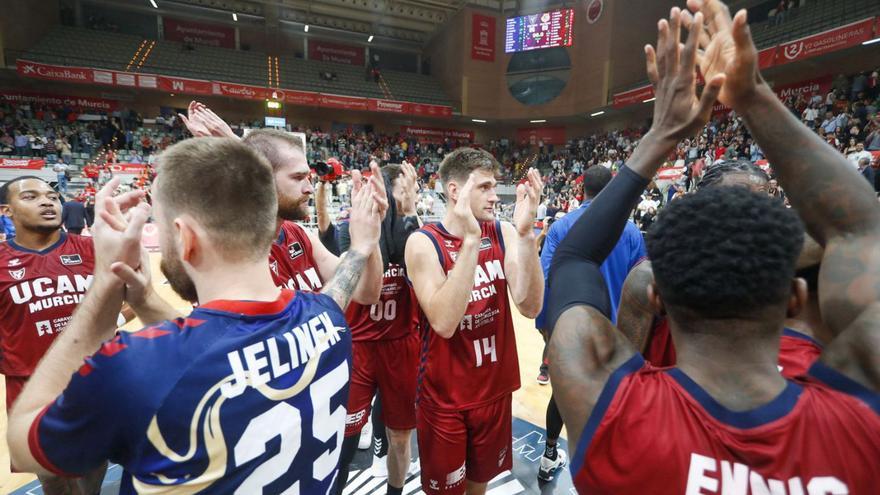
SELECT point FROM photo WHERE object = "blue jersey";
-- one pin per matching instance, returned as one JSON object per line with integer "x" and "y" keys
{"x": 239, "y": 397}
{"x": 629, "y": 250}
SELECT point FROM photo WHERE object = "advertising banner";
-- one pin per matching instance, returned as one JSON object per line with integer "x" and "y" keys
{"x": 483, "y": 37}
{"x": 199, "y": 33}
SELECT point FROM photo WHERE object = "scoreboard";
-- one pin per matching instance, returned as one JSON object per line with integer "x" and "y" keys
{"x": 536, "y": 31}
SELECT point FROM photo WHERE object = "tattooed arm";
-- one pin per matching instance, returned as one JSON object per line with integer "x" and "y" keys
{"x": 348, "y": 273}
{"x": 635, "y": 316}
{"x": 838, "y": 207}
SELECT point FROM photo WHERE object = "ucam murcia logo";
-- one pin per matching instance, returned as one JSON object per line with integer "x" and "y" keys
{"x": 793, "y": 50}
{"x": 17, "y": 274}
{"x": 274, "y": 266}
{"x": 485, "y": 243}
{"x": 71, "y": 259}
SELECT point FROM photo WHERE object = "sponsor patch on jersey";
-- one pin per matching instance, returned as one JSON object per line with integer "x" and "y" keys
{"x": 44, "y": 327}
{"x": 71, "y": 259}
{"x": 485, "y": 243}
{"x": 17, "y": 274}
{"x": 14, "y": 262}
{"x": 295, "y": 250}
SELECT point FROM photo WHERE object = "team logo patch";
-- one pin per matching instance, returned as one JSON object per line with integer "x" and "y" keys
{"x": 485, "y": 243}
{"x": 274, "y": 267}
{"x": 453, "y": 255}
{"x": 71, "y": 259}
{"x": 295, "y": 250}
{"x": 14, "y": 262}
{"x": 17, "y": 274}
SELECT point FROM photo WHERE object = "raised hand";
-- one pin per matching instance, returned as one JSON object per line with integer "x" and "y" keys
{"x": 463, "y": 212}
{"x": 727, "y": 48}
{"x": 409, "y": 194}
{"x": 119, "y": 221}
{"x": 194, "y": 125}
{"x": 365, "y": 222}
{"x": 528, "y": 196}
{"x": 377, "y": 186}
{"x": 678, "y": 113}
{"x": 201, "y": 121}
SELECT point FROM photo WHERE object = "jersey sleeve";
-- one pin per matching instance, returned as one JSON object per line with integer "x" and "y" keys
{"x": 90, "y": 414}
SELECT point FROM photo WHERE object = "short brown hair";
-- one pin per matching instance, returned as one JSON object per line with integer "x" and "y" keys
{"x": 266, "y": 141}
{"x": 391, "y": 171}
{"x": 459, "y": 164}
{"x": 227, "y": 187}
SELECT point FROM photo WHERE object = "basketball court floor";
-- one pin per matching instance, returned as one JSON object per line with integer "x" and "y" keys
{"x": 529, "y": 407}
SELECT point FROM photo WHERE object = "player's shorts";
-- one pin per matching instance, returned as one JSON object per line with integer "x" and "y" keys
{"x": 392, "y": 367}
{"x": 455, "y": 446}
{"x": 14, "y": 386}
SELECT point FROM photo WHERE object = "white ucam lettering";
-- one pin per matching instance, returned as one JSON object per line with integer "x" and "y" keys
{"x": 45, "y": 287}
{"x": 488, "y": 272}
{"x": 739, "y": 479}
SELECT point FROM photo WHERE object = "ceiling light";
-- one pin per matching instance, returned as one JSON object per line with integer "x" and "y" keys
{"x": 306, "y": 28}
{"x": 479, "y": 121}
{"x": 153, "y": 3}
{"x": 370, "y": 39}
{"x": 649, "y": 100}
{"x": 537, "y": 121}
{"x": 235, "y": 17}
{"x": 596, "y": 114}
{"x": 871, "y": 42}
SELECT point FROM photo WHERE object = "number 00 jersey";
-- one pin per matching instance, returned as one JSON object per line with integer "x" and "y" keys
{"x": 478, "y": 364}
{"x": 38, "y": 292}
{"x": 240, "y": 397}
{"x": 393, "y": 317}
{"x": 655, "y": 430}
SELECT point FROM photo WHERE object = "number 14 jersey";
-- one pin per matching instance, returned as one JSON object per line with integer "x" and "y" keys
{"x": 478, "y": 364}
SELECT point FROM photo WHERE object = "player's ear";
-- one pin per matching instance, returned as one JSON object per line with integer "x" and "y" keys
{"x": 655, "y": 300}
{"x": 798, "y": 298}
{"x": 452, "y": 190}
{"x": 6, "y": 210}
{"x": 186, "y": 238}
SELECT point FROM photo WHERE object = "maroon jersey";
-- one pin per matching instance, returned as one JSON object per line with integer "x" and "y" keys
{"x": 292, "y": 262}
{"x": 654, "y": 430}
{"x": 393, "y": 317}
{"x": 478, "y": 364}
{"x": 38, "y": 292}
{"x": 797, "y": 352}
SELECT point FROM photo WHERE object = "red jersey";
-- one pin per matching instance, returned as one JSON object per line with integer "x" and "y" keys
{"x": 654, "y": 430}
{"x": 393, "y": 317}
{"x": 292, "y": 261}
{"x": 38, "y": 292}
{"x": 797, "y": 351}
{"x": 478, "y": 364}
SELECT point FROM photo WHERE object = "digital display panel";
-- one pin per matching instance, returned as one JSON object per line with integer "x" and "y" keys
{"x": 276, "y": 121}
{"x": 536, "y": 31}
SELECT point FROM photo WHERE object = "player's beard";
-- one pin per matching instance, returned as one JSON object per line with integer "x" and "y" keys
{"x": 174, "y": 271}
{"x": 293, "y": 210}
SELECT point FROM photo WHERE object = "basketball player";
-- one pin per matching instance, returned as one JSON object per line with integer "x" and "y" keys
{"x": 804, "y": 335}
{"x": 247, "y": 393}
{"x": 45, "y": 274}
{"x": 724, "y": 420}
{"x": 460, "y": 270}
{"x": 386, "y": 353}
{"x": 298, "y": 258}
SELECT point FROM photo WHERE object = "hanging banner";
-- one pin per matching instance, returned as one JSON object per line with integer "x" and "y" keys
{"x": 437, "y": 134}
{"x": 128, "y": 168}
{"x": 826, "y": 42}
{"x": 546, "y": 135}
{"x": 185, "y": 85}
{"x": 483, "y": 37}
{"x": 633, "y": 96}
{"x": 324, "y": 51}
{"x": 75, "y": 102}
{"x": 818, "y": 86}
{"x": 198, "y": 33}
{"x": 767, "y": 57}
{"x": 22, "y": 163}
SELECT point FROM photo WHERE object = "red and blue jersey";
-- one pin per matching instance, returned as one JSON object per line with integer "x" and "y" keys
{"x": 478, "y": 364}
{"x": 239, "y": 397}
{"x": 39, "y": 290}
{"x": 797, "y": 351}
{"x": 292, "y": 261}
{"x": 655, "y": 430}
